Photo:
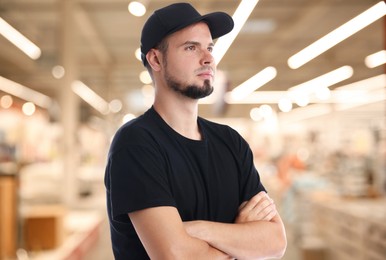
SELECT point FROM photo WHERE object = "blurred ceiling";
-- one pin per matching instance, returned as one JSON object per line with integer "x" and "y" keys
{"x": 105, "y": 36}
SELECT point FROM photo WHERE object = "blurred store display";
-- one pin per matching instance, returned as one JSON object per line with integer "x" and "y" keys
{"x": 34, "y": 219}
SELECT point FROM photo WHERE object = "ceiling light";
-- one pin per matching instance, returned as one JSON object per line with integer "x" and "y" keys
{"x": 325, "y": 80}
{"x": 115, "y": 105}
{"x": 302, "y": 100}
{"x": 323, "y": 93}
{"x": 58, "y": 72}
{"x": 128, "y": 117}
{"x": 363, "y": 99}
{"x": 25, "y": 93}
{"x": 274, "y": 97}
{"x": 376, "y": 59}
{"x": 285, "y": 104}
{"x": 240, "y": 16}
{"x": 255, "y": 114}
{"x": 148, "y": 95}
{"x": 257, "y": 97}
{"x": 138, "y": 54}
{"x": 148, "y": 91}
{"x": 6, "y": 101}
{"x": 255, "y": 82}
{"x": 137, "y": 8}
{"x": 336, "y": 36}
{"x": 28, "y": 108}
{"x": 19, "y": 40}
{"x": 92, "y": 98}
{"x": 303, "y": 113}
{"x": 373, "y": 83}
{"x": 265, "y": 110}
{"x": 145, "y": 78}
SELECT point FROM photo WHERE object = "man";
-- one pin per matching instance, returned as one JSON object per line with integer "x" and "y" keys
{"x": 179, "y": 186}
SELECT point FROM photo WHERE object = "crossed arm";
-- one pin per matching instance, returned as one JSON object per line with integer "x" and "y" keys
{"x": 257, "y": 233}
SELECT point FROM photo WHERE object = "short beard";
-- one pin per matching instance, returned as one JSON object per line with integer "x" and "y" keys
{"x": 191, "y": 91}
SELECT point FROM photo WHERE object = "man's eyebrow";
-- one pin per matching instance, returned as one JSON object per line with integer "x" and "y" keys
{"x": 197, "y": 43}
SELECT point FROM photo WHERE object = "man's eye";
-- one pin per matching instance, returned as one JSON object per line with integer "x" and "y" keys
{"x": 210, "y": 49}
{"x": 191, "y": 48}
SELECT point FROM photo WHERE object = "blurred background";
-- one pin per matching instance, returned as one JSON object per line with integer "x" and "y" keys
{"x": 302, "y": 81}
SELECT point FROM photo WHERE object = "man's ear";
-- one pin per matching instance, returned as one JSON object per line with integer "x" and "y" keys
{"x": 153, "y": 59}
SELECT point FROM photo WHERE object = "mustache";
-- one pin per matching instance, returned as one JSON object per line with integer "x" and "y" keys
{"x": 205, "y": 68}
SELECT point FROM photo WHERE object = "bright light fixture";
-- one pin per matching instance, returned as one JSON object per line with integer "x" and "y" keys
{"x": 255, "y": 114}
{"x": 323, "y": 93}
{"x": 336, "y": 36}
{"x": 58, "y": 72}
{"x": 19, "y": 40}
{"x": 25, "y": 93}
{"x": 302, "y": 100}
{"x": 145, "y": 78}
{"x": 6, "y": 101}
{"x": 148, "y": 90}
{"x": 359, "y": 93}
{"x": 138, "y": 54}
{"x": 369, "y": 84}
{"x": 257, "y": 97}
{"x": 92, "y": 98}
{"x": 240, "y": 16}
{"x": 265, "y": 110}
{"x": 115, "y": 105}
{"x": 128, "y": 117}
{"x": 376, "y": 59}
{"x": 28, "y": 108}
{"x": 372, "y": 84}
{"x": 285, "y": 104}
{"x": 323, "y": 81}
{"x": 360, "y": 99}
{"x": 255, "y": 82}
{"x": 137, "y": 8}
{"x": 303, "y": 113}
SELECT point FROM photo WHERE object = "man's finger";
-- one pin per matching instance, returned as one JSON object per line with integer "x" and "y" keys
{"x": 250, "y": 204}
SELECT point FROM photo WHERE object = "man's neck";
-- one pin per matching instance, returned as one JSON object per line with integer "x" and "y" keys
{"x": 181, "y": 115}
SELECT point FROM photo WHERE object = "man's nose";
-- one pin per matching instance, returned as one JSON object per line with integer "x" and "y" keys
{"x": 207, "y": 57}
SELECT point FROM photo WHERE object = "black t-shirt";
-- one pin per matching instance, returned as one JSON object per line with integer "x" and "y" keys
{"x": 150, "y": 165}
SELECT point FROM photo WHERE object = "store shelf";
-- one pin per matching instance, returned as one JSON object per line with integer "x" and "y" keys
{"x": 8, "y": 215}
{"x": 352, "y": 228}
{"x": 82, "y": 229}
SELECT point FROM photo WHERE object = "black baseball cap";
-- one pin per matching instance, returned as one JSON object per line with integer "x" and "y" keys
{"x": 174, "y": 17}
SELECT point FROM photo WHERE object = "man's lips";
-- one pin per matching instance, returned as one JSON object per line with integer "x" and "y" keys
{"x": 207, "y": 74}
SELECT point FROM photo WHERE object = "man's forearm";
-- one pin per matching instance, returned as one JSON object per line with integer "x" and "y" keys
{"x": 250, "y": 240}
{"x": 200, "y": 249}
{"x": 163, "y": 236}
{"x": 258, "y": 231}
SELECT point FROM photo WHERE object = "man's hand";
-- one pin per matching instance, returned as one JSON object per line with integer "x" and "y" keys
{"x": 258, "y": 232}
{"x": 259, "y": 207}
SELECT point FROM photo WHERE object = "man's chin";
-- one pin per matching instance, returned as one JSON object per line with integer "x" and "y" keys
{"x": 198, "y": 93}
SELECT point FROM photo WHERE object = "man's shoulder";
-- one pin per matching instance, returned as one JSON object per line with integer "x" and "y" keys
{"x": 216, "y": 127}
{"x": 132, "y": 127}
{"x": 138, "y": 131}
{"x": 223, "y": 133}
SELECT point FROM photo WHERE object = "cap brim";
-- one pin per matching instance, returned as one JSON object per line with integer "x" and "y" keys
{"x": 219, "y": 23}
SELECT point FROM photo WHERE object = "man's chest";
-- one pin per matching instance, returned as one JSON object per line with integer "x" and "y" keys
{"x": 205, "y": 183}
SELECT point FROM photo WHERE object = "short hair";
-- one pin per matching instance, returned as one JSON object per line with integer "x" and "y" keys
{"x": 162, "y": 46}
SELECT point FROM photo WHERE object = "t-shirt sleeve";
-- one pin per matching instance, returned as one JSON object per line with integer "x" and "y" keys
{"x": 137, "y": 180}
